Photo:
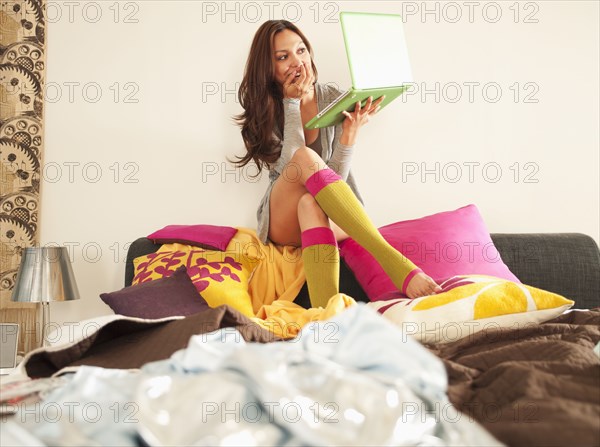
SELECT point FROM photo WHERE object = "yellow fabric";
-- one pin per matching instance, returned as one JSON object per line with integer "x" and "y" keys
{"x": 271, "y": 277}
{"x": 286, "y": 319}
{"x": 278, "y": 272}
{"x": 276, "y": 280}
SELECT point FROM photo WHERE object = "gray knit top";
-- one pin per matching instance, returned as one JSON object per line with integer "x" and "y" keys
{"x": 336, "y": 155}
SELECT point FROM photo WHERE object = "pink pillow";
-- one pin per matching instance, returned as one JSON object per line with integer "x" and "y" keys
{"x": 212, "y": 237}
{"x": 442, "y": 245}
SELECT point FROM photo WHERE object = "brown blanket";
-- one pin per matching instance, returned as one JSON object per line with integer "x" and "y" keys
{"x": 536, "y": 386}
{"x": 129, "y": 344}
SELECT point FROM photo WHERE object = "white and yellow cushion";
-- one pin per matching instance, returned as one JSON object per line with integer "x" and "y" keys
{"x": 470, "y": 304}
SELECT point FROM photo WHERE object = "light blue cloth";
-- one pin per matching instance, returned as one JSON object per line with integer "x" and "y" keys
{"x": 353, "y": 380}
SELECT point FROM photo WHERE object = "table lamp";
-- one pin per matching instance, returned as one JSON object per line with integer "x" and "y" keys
{"x": 45, "y": 275}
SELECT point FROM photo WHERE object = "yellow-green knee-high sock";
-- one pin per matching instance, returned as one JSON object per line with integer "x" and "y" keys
{"x": 342, "y": 206}
{"x": 321, "y": 259}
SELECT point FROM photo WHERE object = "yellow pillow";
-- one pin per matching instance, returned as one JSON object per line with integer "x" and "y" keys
{"x": 220, "y": 277}
{"x": 469, "y": 304}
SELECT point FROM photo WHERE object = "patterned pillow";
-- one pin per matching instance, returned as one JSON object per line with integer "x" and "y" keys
{"x": 220, "y": 277}
{"x": 469, "y": 304}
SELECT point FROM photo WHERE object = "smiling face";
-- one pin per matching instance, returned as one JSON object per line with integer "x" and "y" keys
{"x": 289, "y": 53}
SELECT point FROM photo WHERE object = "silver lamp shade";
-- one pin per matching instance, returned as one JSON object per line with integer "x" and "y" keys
{"x": 45, "y": 275}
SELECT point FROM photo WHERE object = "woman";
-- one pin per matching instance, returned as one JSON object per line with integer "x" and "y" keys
{"x": 312, "y": 200}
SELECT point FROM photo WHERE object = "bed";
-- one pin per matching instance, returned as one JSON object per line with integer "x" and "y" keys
{"x": 351, "y": 379}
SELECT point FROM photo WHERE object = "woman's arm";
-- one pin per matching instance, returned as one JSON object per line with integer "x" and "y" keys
{"x": 293, "y": 134}
{"x": 346, "y": 133}
{"x": 341, "y": 157}
{"x": 343, "y": 144}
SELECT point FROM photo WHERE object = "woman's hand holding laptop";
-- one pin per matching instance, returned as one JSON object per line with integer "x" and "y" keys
{"x": 359, "y": 117}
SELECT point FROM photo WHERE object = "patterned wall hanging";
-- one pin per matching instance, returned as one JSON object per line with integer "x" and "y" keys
{"x": 22, "y": 78}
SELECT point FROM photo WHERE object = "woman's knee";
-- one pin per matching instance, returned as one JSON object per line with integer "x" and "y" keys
{"x": 308, "y": 204}
{"x": 305, "y": 156}
{"x": 303, "y": 164}
{"x": 310, "y": 213}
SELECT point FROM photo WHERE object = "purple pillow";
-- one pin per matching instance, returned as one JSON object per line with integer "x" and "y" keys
{"x": 442, "y": 245}
{"x": 211, "y": 237}
{"x": 166, "y": 297}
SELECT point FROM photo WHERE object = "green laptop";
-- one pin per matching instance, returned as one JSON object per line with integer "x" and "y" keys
{"x": 378, "y": 61}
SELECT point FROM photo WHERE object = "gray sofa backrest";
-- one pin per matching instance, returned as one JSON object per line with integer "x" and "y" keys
{"x": 563, "y": 263}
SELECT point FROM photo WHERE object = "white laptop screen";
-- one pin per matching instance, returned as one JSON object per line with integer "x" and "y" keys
{"x": 376, "y": 50}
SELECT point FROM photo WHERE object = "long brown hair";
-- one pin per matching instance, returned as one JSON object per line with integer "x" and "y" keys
{"x": 262, "y": 98}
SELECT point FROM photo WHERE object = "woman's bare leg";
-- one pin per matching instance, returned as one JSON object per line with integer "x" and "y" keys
{"x": 285, "y": 219}
{"x": 340, "y": 234}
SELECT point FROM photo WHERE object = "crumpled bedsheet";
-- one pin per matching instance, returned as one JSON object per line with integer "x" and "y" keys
{"x": 353, "y": 380}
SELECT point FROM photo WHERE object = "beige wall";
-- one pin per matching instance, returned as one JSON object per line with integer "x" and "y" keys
{"x": 523, "y": 136}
